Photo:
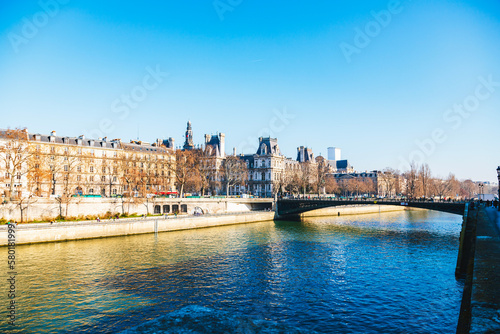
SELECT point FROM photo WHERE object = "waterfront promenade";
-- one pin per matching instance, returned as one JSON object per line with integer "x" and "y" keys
{"x": 485, "y": 301}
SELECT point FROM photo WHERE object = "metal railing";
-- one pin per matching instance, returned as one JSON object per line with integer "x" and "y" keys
{"x": 372, "y": 199}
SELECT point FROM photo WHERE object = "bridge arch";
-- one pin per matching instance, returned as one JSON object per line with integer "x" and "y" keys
{"x": 289, "y": 207}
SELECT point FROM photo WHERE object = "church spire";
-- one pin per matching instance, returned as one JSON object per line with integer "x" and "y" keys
{"x": 188, "y": 143}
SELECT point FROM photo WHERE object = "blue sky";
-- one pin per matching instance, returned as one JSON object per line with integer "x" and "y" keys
{"x": 380, "y": 79}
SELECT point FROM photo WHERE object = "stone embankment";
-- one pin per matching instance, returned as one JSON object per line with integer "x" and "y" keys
{"x": 353, "y": 210}
{"x": 49, "y": 208}
{"x": 47, "y": 232}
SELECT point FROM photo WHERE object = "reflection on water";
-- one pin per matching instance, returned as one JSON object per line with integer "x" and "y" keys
{"x": 390, "y": 273}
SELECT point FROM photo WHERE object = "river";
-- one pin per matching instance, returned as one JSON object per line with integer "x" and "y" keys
{"x": 375, "y": 273}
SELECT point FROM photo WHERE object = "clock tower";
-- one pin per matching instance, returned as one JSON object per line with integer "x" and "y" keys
{"x": 188, "y": 143}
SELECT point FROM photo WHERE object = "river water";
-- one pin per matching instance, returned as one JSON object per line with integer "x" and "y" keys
{"x": 377, "y": 273}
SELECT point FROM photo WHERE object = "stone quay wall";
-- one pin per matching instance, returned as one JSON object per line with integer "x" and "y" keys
{"x": 46, "y": 232}
{"x": 49, "y": 208}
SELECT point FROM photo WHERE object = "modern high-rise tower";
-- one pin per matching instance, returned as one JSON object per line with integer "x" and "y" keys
{"x": 334, "y": 154}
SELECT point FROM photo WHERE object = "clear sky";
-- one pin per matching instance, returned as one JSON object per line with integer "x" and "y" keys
{"x": 386, "y": 81}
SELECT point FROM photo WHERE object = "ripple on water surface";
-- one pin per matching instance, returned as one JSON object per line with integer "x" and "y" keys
{"x": 389, "y": 273}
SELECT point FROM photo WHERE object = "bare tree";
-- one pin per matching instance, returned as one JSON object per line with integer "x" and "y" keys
{"x": 322, "y": 169}
{"x": 306, "y": 175}
{"x": 130, "y": 177}
{"x": 294, "y": 185}
{"x": 331, "y": 186}
{"x": 19, "y": 172}
{"x": 425, "y": 178}
{"x": 67, "y": 164}
{"x": 412, "y": 186}
{"x": 390, "y": 182}
{"x": 281, "y": 181}
{"x": 234, "y": 172}
{"x": 186, "y": 168}
{"x": 206, "y": 170}
{"x": 15, "y": 155}
{"x": 468, "y": 189}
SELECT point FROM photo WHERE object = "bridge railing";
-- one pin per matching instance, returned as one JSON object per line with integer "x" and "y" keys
{"x": 364, "y": 199}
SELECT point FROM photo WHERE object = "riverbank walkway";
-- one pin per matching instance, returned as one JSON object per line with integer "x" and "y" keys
{"x": 485, "y": 300}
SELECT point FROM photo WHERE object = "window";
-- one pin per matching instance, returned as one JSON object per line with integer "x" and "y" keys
{"x": 91, "y": 191}
{"x": 114, "y": 179}
{"x": 18, "y": 176}
{"x": 91, "y": 169}
{"x": 79, "y": 169}
{"x": 103, "y": 178}
{"x": 91, "y": 178}
{"x": 104, "y": 169}
{"x": 53, "y": 149}
{"x": 78, "y": 178}
{"x": 114, "y": 191}
{"x": 66, "y": 168}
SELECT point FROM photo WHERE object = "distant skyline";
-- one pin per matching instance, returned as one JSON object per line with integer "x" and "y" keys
{"x": 386, "y": 81}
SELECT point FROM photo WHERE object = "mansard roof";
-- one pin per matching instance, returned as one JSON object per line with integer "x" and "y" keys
{"x": 97, "y": 143}
{"x": 80, "y": 141}
{"x": 268, "y": 146}
{"x": 212, "y": 146}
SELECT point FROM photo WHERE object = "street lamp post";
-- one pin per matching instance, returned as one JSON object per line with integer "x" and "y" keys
{"x": 480, "y": 190}
{"x": 498, "y": 175}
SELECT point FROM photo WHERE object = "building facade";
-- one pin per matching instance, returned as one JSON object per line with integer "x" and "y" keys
{"x": 51, "y": 165}
{"x": 268, "y": 169}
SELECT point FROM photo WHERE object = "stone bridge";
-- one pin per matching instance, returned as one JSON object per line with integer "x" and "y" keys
{"x": 290, "y": 207}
